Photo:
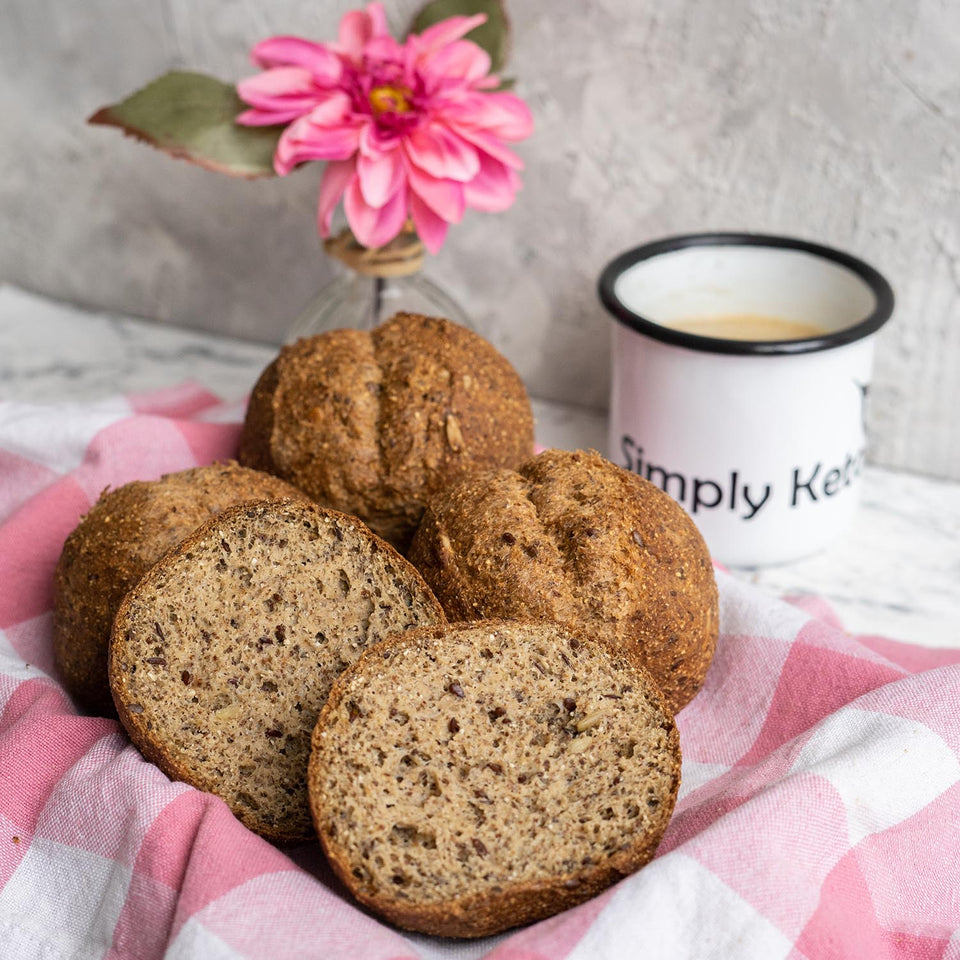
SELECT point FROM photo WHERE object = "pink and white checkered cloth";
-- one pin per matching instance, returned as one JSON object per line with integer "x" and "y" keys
{"x": 819, "y": 815}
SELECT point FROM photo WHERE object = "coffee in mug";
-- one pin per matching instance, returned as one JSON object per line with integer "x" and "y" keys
{"x": 747, "y": 326}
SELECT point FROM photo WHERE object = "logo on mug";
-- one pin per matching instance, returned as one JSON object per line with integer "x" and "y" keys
{"x": 808, "y": 484}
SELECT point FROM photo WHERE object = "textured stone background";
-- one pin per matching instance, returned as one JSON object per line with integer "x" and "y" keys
{"x": 835, "y": 121}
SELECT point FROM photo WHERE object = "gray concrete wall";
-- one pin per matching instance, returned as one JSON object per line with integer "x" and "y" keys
{"x": 836, "y": 120}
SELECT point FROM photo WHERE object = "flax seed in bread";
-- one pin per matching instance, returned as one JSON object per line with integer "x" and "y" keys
{"x": 574, "y": 538}
{"x": 223, "y": 654}
{"x": 469, "y": 778}
{"x": 374, "y": 423}
{"x": 124, "y": 534}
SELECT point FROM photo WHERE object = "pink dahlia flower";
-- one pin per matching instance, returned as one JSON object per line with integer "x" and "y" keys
{"x": 412, "y": 130}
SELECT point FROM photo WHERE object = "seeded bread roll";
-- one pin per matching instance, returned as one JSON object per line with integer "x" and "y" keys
{"x": 469, "y": 778}
{"x": 126, "y": 532}
{"x": 374, "y": 423}
{"x": 574, "y": 538}
{"x": 223, "y": 654}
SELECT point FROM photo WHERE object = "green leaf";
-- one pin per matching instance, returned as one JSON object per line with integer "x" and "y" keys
{"x": 193, "y": 116}
{"x": 493, "y": 36}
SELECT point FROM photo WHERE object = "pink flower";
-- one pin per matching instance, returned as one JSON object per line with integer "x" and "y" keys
{"x": 413, "y": 130}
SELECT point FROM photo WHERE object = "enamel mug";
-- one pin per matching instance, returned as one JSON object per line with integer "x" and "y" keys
{"x": 741, "y": 373}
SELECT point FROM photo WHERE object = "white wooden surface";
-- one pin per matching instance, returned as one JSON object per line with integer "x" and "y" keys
{"x": 833, "y": 121}
{"x": 895, "y": 574}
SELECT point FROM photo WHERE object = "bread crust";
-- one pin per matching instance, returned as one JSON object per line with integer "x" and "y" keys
{"x": 516, "y": 904}
{"x": 116, "y": 542}
{"x": 258, "y": 426}
{"x": 139, "y": 725}
{"x": 571, "y": 537}
{"x": 374, "y": 423}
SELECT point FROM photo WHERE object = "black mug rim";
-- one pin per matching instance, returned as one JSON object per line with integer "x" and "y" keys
{"x": 881, "y": 289}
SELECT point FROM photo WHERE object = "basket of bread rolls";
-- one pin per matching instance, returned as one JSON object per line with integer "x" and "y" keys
{"x": 394, "y": 626}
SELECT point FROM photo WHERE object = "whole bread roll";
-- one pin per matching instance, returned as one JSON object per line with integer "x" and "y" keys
{"x": 374, "y": 423}
{"x": 572, "y": 537}
{"x": 125, "y": 533}
{"x": 468, "y": 778}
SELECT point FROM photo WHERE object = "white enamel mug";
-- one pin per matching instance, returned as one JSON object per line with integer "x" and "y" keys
{"x": 762, "y": 441}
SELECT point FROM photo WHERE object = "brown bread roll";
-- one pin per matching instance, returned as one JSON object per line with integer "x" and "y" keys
{"x": 224, "y": 653}
{"x": 125, "y": 533}
{"x": 374, "y": 423}
{"x": 574, "y": 538}
{"x": 469, "y": 778}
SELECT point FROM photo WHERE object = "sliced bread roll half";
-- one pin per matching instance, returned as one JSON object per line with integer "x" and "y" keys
{"x": 468, "y": 778}
{"x": 224, "y": 653}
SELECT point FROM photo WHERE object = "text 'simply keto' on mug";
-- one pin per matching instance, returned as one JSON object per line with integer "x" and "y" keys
{"x": 741, "y": 371}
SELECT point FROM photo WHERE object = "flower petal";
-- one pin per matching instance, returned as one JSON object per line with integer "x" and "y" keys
{"x": 493, "y": 189}
{"x": 380, "y": 178}
{"x": 282, "y": 89}
{"x": 440, "y": 152}
{"x": 378, "y": 19}
{"x": 503, "y": 115}
{"x": 374, "y": 227}
{"x": 331, "y": 109}
{"x": 431, "y": 229}
{"x": 387, "y": 49}
{"x": 358, "y": 28}
{"x": 487, "y": 144}
{"x": 267, "y": 118}
{"x": 322, "y": 63}
{"x": 336, "y": 178}
{"x": 352, "y": 35}
{"x": 462, "y": 60}
{"x": 448, "y": 30}
{"x": 374, "y": 142}
{"x": 303, "y": 141}
{"x": 444, "y": 197}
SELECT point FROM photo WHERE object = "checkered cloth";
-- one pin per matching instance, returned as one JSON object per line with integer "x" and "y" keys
{"x": 819, "y": 815}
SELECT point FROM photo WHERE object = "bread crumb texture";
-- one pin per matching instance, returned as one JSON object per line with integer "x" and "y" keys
{"x": 126, "y": 532}
{"x": 470, "y": 778}
{"x": 224, "y": 653}
{"x": 373, "y": 423}
{"x": 572, "y": 537}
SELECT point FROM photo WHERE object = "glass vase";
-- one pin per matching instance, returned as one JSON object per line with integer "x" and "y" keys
{"x": 374, "y": 285}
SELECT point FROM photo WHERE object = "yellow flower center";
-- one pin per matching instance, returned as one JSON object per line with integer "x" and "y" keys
{"x": 390, "y": 99}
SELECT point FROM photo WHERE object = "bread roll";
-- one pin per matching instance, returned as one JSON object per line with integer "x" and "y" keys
{"x": 374, "y": 423}
{"x": 224, "y": 653}
{"x": 126, "y": 532}
{"x": 470, "y": 778}
{"x": 574, "y": 538}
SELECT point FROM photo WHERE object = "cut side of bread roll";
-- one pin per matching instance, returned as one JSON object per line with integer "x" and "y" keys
{"x": 469, "y": 778}
{"x": 224, "y": 653}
